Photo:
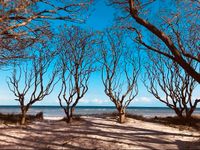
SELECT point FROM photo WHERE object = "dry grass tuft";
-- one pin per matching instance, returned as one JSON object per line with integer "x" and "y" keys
{"x": 15, "y": 118}
{"x": 191, "y": 124}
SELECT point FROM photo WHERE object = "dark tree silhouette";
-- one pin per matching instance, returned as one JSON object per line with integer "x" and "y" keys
{"x": 169, "y": 83}
{"x": 176, "y": 26}
{"x": 25, "y": 22}
{"x": 31, "y": 81}
{"x": 77, "y": 57}
{"x": 119, "y": 72}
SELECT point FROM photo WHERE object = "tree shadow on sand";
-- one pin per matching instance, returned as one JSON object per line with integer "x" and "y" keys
{"x": 92, "y": 133}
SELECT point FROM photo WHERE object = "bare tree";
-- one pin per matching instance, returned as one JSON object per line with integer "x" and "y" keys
{"x": 77, "y": 58}
{"x": 177, "y": 26}
{"x": 25, "y": 22}
{"x": 119, "y": 72}
{"x": 169, "y": 83}
{"x": 31, "y": 81}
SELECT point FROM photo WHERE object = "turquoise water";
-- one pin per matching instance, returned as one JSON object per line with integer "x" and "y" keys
{"x": 56, "y": 111}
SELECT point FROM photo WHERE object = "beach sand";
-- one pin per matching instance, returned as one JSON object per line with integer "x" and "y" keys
{"x": 95, "y": 132}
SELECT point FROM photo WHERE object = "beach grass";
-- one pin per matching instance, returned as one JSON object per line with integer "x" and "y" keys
{"x": 15, "y": 118}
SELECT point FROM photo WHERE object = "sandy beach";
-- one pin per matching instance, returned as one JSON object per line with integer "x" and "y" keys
{"x": 90, "y": 132}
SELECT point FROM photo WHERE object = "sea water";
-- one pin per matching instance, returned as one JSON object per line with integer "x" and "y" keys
{"x": 57, "y": 111}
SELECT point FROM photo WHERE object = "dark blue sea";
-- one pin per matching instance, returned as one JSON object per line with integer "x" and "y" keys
{"x": 56, "y": 111}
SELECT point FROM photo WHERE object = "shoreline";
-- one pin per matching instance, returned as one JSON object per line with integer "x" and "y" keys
{"x": 56, "y": 111}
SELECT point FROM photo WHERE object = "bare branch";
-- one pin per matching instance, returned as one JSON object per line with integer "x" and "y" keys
{"x": 78, "y": 57}
{"x": 119, "y": 71}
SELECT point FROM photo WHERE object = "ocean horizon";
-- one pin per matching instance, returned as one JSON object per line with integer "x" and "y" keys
{"x": 57, "y": 111}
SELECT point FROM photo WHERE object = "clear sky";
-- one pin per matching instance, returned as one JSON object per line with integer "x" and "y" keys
{"x": 100, "y": 18}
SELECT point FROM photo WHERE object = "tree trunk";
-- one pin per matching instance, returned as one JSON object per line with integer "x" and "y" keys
{"x": 178, "y": 113}
{"x": 69, "y": 119}
{"x": 69, "y": 114}
{"x": 189, "y": 113}
{"x": 23, "y": 117}
{"x": 122, "y": 116}
{"x": 188, "y": 116}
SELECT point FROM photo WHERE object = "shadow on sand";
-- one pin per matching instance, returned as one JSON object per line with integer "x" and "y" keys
{"x": 92, "y": 133}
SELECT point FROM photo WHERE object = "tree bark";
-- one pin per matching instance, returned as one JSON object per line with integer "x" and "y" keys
{"x": 23, "y": 116}
{"x": 69, "y": 114}
{"x": 189, "y": 113}
{"x": 122, "y": 116}
{"x": 178, "y": 113}
{"x": 166, "y": 39}
{"x": 69, "y": 119}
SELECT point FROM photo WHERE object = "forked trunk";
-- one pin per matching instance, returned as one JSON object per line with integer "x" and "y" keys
{"x": 69, "y": 114}
{"x": 69, "y": 119}
{"x": 184, "y": 114}
{"x": 189, "y": 113}
{"x": 178, "y": 113}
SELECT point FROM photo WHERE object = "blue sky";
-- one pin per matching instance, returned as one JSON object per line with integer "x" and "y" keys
{"x": 100, "y": 18}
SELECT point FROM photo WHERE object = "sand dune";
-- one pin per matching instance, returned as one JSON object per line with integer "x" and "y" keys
{"x": 96, "y": 133}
